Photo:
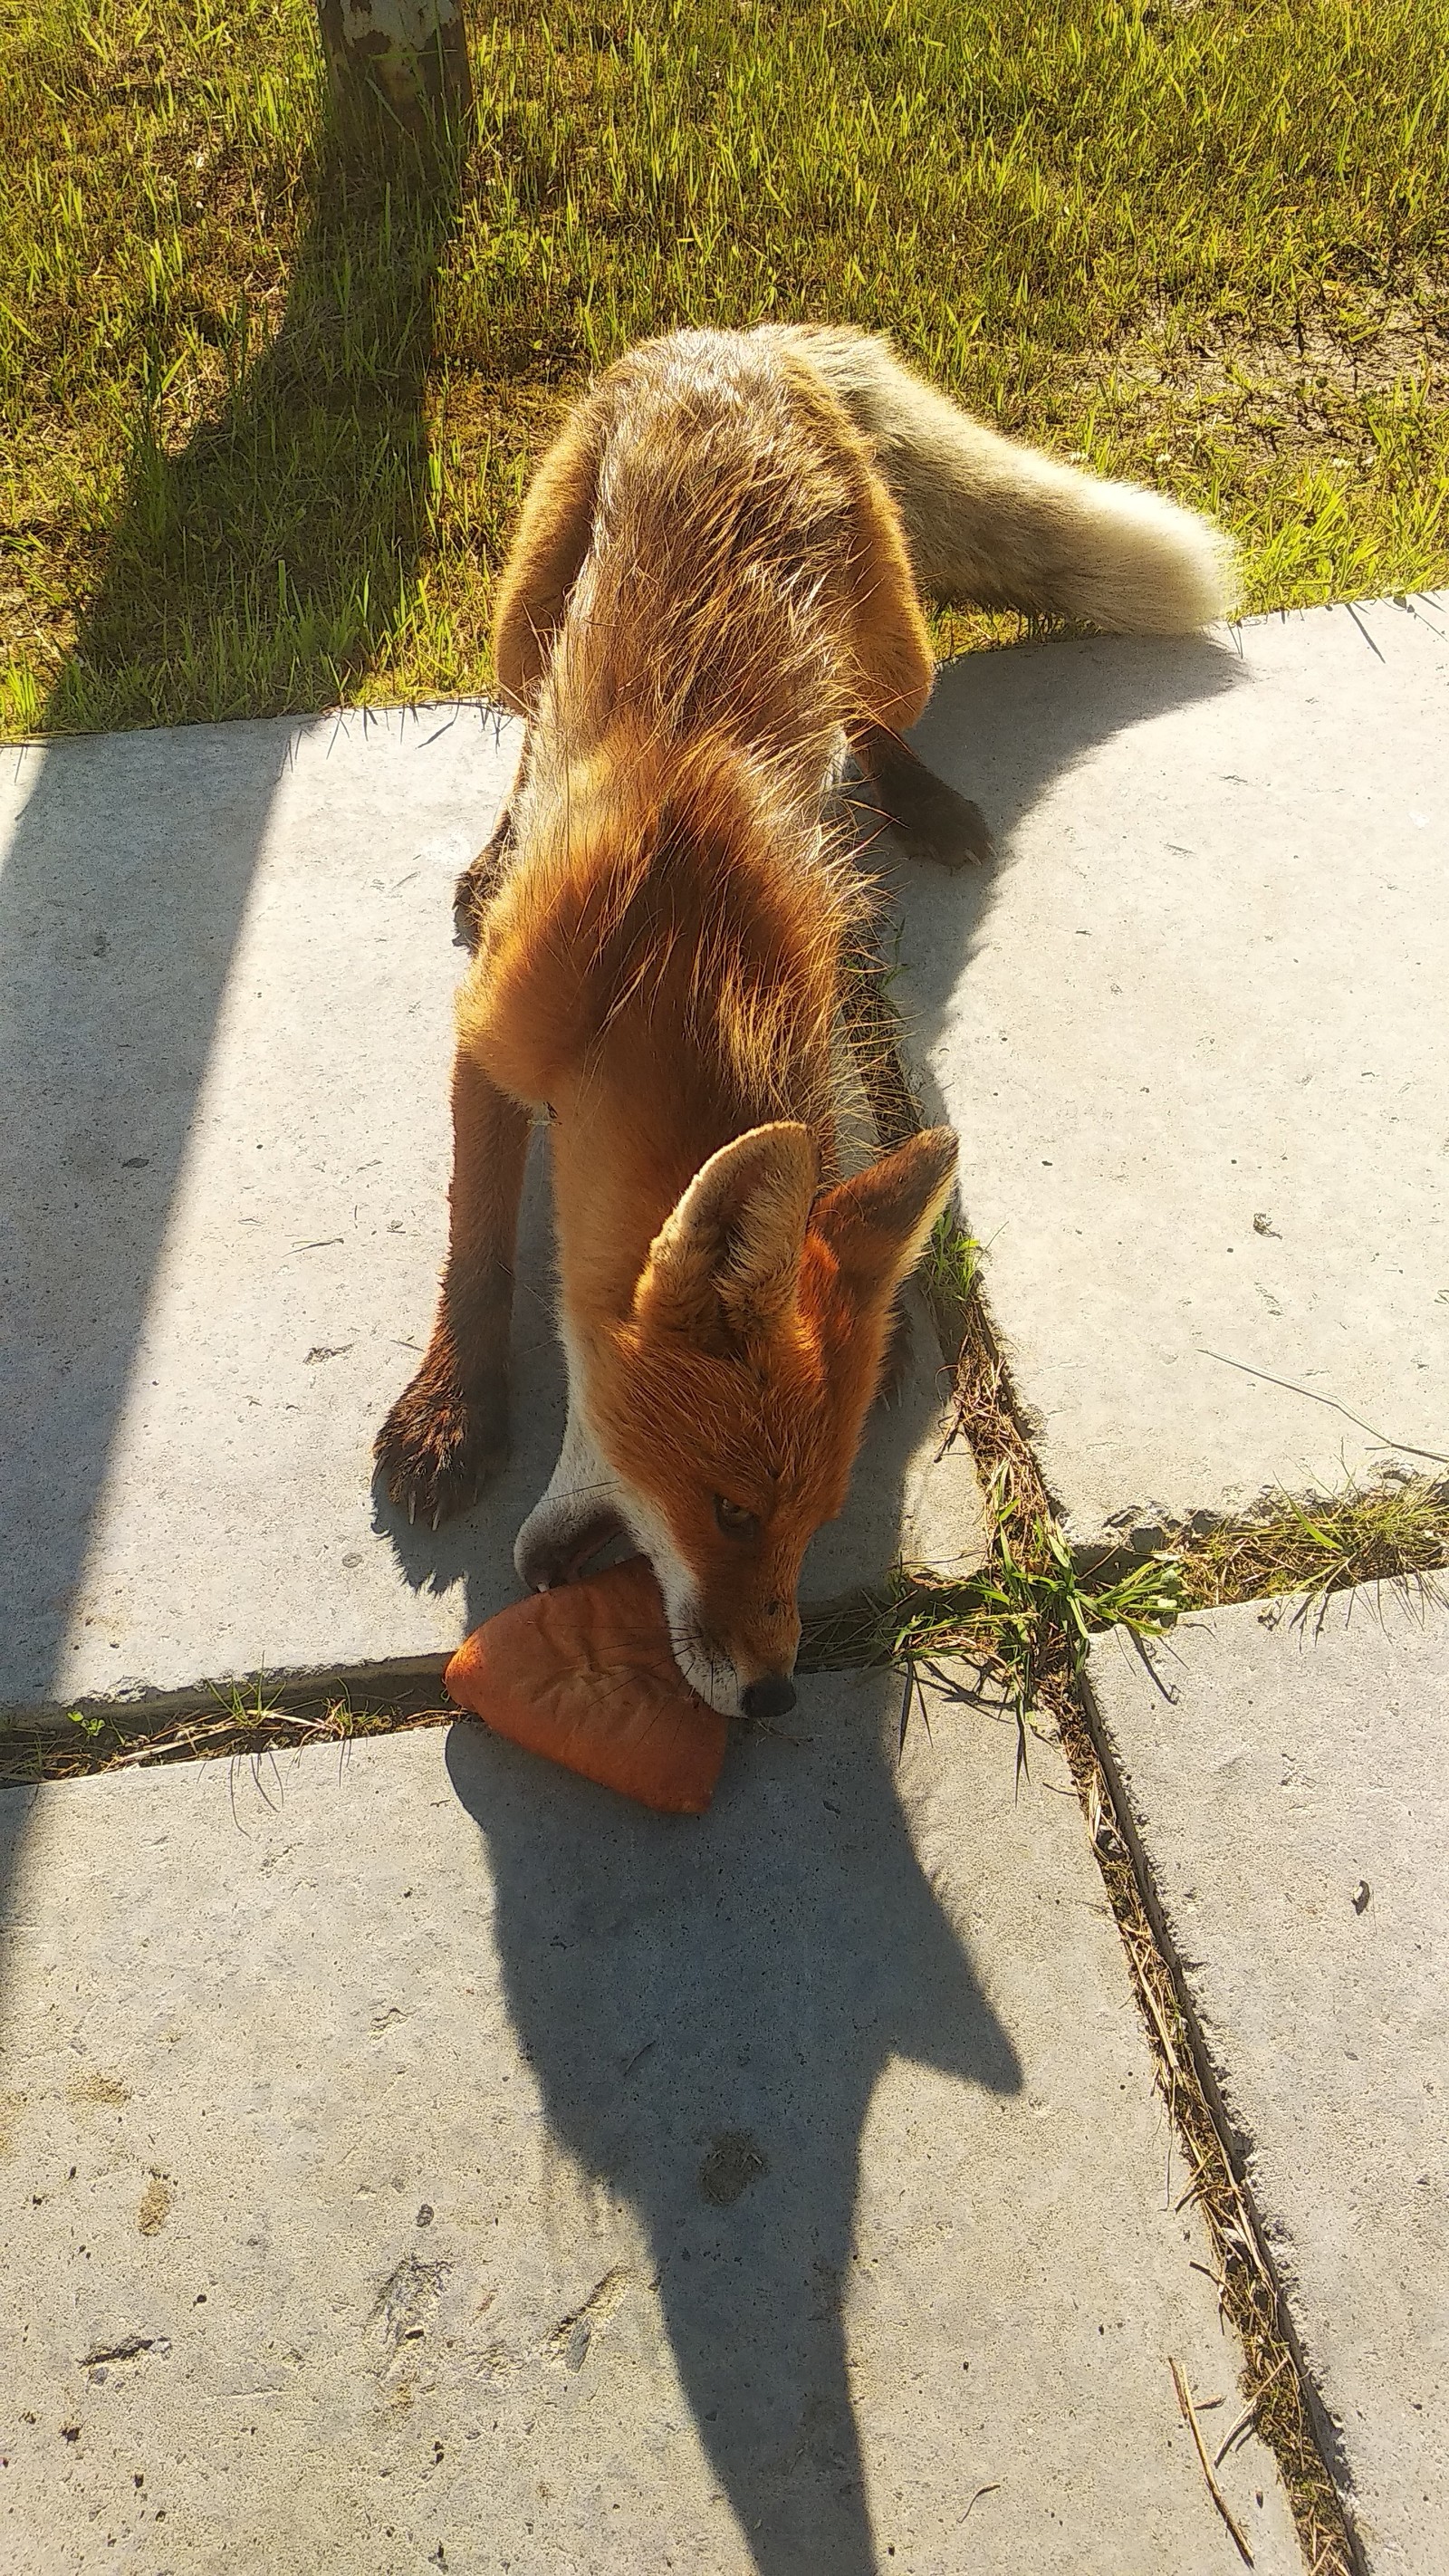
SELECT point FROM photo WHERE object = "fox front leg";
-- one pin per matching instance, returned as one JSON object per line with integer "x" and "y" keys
{"x": 448, "y": 1431}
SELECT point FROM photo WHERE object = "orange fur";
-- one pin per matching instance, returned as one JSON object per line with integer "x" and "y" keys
{"x": 709, "y": 592}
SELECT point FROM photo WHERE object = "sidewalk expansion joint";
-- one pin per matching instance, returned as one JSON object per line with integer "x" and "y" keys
{"x": 1024, "y": 1622}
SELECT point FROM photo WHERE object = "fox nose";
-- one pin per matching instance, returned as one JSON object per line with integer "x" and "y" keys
{"x": 772, "y": 1697}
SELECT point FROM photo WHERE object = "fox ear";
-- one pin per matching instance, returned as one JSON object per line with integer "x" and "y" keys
{"x": 725, "y": 1263}
{"x": 877, "y": 1223}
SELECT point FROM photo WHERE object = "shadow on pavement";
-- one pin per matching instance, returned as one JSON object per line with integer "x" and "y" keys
{"x": 1004, "y": 728}
{"x": 707, "y": 2008}
{"x": 125, "y": 880}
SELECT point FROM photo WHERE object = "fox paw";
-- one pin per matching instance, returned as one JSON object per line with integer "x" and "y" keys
{"x": 438, "y": 1448}
{"x": 478, "y": 885}
{"x": 938, "y": 825}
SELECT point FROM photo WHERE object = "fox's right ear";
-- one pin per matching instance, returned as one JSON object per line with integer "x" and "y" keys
{"x": 725, "y": 1263}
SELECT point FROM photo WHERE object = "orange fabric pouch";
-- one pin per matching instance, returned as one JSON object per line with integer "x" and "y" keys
{"x": 586, "y": 1676}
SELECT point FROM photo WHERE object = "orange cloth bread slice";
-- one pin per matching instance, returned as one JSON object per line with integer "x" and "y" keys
{"x": 586, "y": 1676}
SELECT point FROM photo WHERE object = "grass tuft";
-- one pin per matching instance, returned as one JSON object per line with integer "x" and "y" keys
{"x": 1394, "y": 1532}
{"x": 235, "y": 1719}
{"x": 1028, "y": 1614}
{"x": 952, "y": 1264}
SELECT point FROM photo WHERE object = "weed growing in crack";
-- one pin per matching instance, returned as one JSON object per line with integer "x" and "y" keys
{"x": 1394, "y": 1532}
{"x": 1028, "y": 1612}
{"x": 952, "y": 1262}
{"x": 236, "y": 1720}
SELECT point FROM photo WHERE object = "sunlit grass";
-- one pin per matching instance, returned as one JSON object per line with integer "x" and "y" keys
{"x": 1202, "y": 245}
{"x": 237, "y": 1720}
{"x": 1395, "y": 1532}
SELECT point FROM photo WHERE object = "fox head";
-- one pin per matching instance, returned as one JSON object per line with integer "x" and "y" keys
{"x": 728, "y": 1405}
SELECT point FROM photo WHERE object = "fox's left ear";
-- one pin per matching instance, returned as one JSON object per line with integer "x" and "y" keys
{"x": 725, "y": 1263}
{"x": 877, "y": 1223}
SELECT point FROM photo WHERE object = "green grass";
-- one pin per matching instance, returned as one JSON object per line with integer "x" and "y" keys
{"x": 232, "y": 1721}
{"x": 1023, "y": 1620}
{"x": 951, "y": 1264}
{"x": 1026, "y": 1617}
{"x": 267, "y": 416}
{"x": 1387, "y": 1533}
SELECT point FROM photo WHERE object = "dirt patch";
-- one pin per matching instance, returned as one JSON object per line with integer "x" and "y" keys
{"x": 103, "y": 2092}
{"x": 155, "y": 2206}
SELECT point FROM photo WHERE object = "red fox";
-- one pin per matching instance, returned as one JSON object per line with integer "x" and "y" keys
{"x": 714, "y": 593}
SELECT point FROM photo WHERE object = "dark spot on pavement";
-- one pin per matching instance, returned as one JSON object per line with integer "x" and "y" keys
{"x": 732, "y": 2164}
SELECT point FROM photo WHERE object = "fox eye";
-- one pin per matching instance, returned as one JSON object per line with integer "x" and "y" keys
{"x": 733, "y": 1518}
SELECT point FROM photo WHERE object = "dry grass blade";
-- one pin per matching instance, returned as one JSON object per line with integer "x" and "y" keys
{"x": 1145, "y": 1988}
{"x": 993, "y": 2489}
{"x": 1391, "y": 1532}
{"x": 1248, "y": 2415}
{"x": 1215, "y": 2491}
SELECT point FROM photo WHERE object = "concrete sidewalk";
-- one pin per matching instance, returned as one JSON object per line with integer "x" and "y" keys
{"x": 426, "y": 2159}
{"x": 1284, "y": 1772}
{"x": 1190, "y": 1029}
{"x": 440, "y": 2163}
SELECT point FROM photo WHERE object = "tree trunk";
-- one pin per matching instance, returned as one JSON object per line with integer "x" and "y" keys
{"x": 402, "y": 62}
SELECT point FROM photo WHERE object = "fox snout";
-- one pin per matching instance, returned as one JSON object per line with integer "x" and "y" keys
{"x": 742, "y": 1665}
{"x": 772, "y": 1697}
{"x": 713, "y": 1671}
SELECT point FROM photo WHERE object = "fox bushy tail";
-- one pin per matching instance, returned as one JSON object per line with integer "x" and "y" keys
{"x": 994, "y": 525}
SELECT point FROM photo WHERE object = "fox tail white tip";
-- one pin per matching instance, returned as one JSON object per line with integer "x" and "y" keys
{"x": 993, "y": 524}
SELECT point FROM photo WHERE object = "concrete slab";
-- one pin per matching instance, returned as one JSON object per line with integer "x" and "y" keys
{"x": 1191, "y": 1030}
{"x": 425, "y": 2159}
{"x": 1285, "y": 1775}
{"x": 225, "y": 1025}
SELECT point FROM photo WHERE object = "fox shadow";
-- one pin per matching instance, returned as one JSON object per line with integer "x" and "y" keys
{"x": 706, "y": 2007}
{"x": 1006, "y": 728}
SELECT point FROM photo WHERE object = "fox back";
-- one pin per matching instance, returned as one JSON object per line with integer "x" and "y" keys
{"x": 665, "y": 974}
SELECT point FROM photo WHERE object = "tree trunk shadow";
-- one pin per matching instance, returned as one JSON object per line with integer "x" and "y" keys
{"x": 265, "y": 565}
{"x": 262, "y": 566}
